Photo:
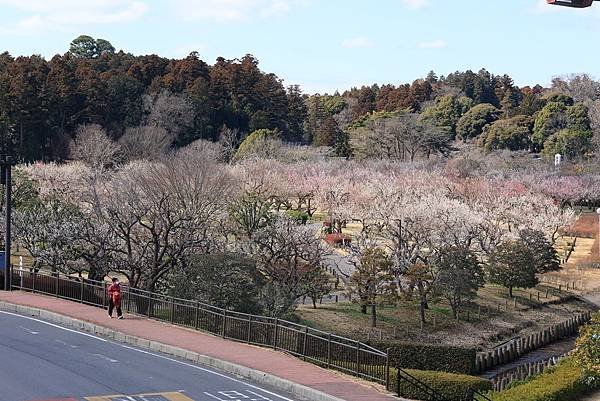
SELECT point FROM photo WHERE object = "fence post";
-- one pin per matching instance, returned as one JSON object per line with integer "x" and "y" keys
{"x": 33, "y": 283}
{"x": 56, "y": 284}
{"x": 387, "y": 369}
{"x": 127, "y": 304}
{"x": 149, "y": 305}
{"x": 329, "y": 350}
{"x": 398, "y": 381}
{"x": 172, "y": 309}
{"x": 249, "y": 338}
{"x": 81, "y": 294}
{"x": 103, "y": 294}
{"x": 276, "y": 334}
{"x": 304, "y": 343}
{"x": 196, "y": 322}
{"x": 224, "y": 321}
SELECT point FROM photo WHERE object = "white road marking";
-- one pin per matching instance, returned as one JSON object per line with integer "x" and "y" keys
{"x": 205, "y": 370}
{"x": 153, "y": 354}
{"x": 29, "y": 330}
{"x": 54, "y": 325}
{"x": 258, "y": 395}
{"x": 106, "y": 358}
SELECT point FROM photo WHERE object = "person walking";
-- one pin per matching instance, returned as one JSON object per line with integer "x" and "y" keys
{"x": 114, "y": 298}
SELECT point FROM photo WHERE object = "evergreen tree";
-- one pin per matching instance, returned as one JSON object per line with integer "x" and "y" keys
{"x": 512, "y": 264}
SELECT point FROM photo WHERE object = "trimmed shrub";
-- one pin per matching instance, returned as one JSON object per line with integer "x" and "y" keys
{"x": 588, "y": 350}
{"x": 452, "y": 386}
{"x": 562, "y": 383}
{"x": 298, "y": 216}
{"x": 441, "y": 358}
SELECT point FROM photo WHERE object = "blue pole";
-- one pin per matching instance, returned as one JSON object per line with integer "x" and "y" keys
{"x": 7, "y": 233}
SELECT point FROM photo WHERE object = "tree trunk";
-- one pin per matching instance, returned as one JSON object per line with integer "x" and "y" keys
{"x": 510, "y": 292}
{"x": 314, "y": 303}
{"x": 454, "y": 310}
{"x": 422, "y": 312}
{"x": 363, "y": 308}
{"x": 373, "y": 315}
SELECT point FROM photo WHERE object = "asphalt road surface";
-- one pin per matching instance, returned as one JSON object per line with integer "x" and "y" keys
{"x": 43, "y": 361}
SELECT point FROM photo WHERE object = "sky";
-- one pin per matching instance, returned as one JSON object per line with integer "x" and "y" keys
{"x": 326, "y": 45}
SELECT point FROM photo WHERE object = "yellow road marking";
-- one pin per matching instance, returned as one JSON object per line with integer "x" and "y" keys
{"x": 169, "y": 396}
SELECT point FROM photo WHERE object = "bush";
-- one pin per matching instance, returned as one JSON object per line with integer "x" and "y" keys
{"x": 226, "y": 280}
{"x": 562, "y": 383}
{"x": 452, "y": 386}
{"x": 587, "y": 355}
{"x": 441, "y": 358}
{"x": 298, "y": 216}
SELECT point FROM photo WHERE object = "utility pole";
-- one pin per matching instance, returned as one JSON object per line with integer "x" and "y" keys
{"x": 6, "y": 164}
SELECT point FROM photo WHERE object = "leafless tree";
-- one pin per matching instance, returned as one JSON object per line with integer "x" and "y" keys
{"x": 173, "y": 112}
{"x": 581, "y": 87}
{"x": 230, "y": 139}
{"x": 594, "y": 113}
{"x": 206, "y": 149}
{"x": 145, "y": 143}
{"x": 50, "y": 231}
{"x": 289, "y": 255}
{"x": 400, "y": 137}
{"x": 163, "y": 213}
{"x": 93, "y": 147}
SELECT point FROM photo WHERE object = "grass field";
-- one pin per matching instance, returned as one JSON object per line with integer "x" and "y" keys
{"x": 486, "y": 326}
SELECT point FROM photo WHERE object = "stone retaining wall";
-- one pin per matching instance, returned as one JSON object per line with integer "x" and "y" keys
{"x": 516, "y": 348}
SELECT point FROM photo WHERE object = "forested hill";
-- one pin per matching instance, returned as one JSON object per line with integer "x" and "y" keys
{"x": 42, "y": 102}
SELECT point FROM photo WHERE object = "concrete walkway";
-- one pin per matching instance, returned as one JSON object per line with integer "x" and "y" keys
{"x": 261, "y": 359}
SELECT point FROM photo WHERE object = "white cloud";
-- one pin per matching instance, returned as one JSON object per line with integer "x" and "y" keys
{"x": 57, "y": 15}
{"x": 357, "y": 42}
{"x": 231, "y": 10}
{"x": 435, "y": 44}
{"x": 277, "y": 7}
{"x": 415, "y": 4}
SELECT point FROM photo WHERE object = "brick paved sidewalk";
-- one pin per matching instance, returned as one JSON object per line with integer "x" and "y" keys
{"x": 262, "y": 359}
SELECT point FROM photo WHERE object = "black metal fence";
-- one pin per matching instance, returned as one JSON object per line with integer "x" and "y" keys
{"x": 321, "y": 348}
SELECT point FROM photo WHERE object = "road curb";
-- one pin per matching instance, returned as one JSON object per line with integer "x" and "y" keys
{"x": 254, "y": 375}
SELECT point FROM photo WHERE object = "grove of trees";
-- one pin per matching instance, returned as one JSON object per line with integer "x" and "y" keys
{"x": 198, "y": 180}
{"x": 178, "y": 101}
{"x": 427, "y": 231}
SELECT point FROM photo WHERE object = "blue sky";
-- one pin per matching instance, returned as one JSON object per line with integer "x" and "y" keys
{"x": 325, "y": 45}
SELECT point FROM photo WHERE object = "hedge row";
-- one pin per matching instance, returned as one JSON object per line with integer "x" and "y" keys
{"x": 441, "y": 358}
{"x": 452, "y": 386}
{"x": 562, "y": 383}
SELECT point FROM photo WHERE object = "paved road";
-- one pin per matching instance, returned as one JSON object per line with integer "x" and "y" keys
{"x": 43, "y": 361}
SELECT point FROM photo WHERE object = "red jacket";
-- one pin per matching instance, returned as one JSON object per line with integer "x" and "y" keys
{"x": 114, "y": 292}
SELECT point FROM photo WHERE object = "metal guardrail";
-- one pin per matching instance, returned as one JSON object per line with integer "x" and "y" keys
{"x": 321, "y": 348}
